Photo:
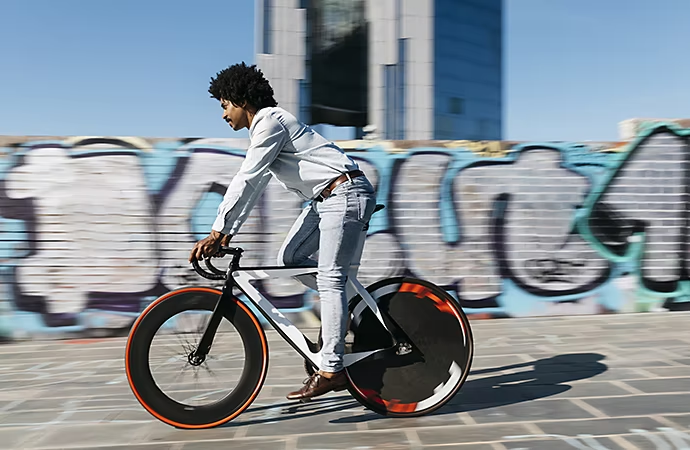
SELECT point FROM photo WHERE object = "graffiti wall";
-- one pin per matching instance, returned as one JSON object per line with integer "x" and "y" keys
{"x": 94, "y": 229}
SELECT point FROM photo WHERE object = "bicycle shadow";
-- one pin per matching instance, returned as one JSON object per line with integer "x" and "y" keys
{"x": 548, "y": 377}
{"x": 290, "y": 410}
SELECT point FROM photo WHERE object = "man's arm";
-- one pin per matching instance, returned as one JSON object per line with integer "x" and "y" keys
{"x": 253, "y": 177}
{"x": 246, "y": 187}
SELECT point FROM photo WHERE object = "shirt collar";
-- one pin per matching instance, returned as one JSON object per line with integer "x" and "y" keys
{"x": 259, "y": 114}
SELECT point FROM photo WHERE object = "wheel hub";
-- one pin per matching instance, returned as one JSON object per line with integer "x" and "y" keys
{"x": 196, "y": 360}
{"x": 404, "y": 348}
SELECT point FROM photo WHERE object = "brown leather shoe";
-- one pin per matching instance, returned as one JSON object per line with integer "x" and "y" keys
{"x": 317, "y": 385}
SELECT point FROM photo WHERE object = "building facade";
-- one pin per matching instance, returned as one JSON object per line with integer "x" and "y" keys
{"x": 413, "y": 69}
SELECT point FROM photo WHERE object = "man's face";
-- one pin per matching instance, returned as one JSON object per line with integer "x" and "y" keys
{"x": 234, "y": 115}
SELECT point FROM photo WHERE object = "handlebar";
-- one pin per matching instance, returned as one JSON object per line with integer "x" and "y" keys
{"x": 214, "y": 273}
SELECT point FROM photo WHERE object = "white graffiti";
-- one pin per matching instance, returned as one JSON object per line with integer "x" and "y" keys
{"x": 538, "y": 222}
{"x": 93, "y": 225}
{"x": 114, "y": 220}
{"x": 181, "y": 206}
{"x": 651, "y": 187}
{"x": 416, "y": 216}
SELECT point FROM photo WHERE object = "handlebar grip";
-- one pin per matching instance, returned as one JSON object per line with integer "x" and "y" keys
{"x": 205, "y": 274}
{"x": 215, "y": 273}
{"x": 214, "y": 269}
{"x": 235, "y": 251}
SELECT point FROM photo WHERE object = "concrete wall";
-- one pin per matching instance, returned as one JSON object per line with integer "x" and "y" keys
{"x": 94, "y": 229}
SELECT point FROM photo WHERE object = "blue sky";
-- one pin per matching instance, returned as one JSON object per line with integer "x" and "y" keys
{"x": 573, "y": 69}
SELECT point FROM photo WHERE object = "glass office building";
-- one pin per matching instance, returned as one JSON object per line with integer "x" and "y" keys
{"x": 414, "y": 69}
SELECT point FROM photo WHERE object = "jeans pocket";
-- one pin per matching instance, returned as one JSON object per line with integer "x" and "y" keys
{"x": 365, "y": 207}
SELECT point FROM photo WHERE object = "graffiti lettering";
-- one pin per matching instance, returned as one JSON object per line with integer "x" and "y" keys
{"x": 554, "y": 270}
{"x": 95, "y": 229}
{"x": 487, "y": 149}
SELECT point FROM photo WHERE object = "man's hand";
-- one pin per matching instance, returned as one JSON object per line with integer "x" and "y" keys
{"x": 208, "y": 246}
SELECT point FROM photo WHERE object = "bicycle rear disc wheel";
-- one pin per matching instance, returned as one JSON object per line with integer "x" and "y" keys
{"x": 160, "y": 380}
{"x": 430, "y": 375}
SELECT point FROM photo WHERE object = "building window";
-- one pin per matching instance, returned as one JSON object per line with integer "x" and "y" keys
{"x": 400, "y": 91}
{"x": 389, "y": 73}
{"x": 394, "y": 83}
{"x": 304, "y": 101}
{"x": 267, "y": 27}
{"x": 456, "y": 106}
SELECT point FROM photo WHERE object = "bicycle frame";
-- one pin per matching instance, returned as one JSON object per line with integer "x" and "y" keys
{"x": 242, "y": 278}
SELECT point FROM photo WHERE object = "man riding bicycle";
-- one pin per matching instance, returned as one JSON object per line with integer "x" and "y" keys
{"x": 341, "y": 201}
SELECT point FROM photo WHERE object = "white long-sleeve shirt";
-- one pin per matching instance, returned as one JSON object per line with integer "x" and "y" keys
{"x": 280, "y": 146}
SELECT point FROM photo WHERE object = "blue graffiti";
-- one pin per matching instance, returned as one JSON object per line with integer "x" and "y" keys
{"x": 579, "y": 268}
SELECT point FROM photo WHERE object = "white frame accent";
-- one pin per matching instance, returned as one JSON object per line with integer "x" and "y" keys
{"x": 244, "y": 277}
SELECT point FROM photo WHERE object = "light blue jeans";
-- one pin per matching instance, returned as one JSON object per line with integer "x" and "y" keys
{"x": 333, "y": 228}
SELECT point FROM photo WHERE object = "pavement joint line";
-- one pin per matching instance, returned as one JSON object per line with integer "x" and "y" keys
{"x": 627, "y": 387}
{"x": 478, "y": 356}
{"x": 645, "y": 373}
{"x": 623, "y": 442}
{"x": 669, "y": 362}
{"x": 291, "y": 443}
{"x": 66, "y": 413}
{"x": 589, "y": 408}
{"x": 526, "y": 357}
{"x": 598, "y": 436}
{"x": 668, "y": 353}
{"x": 89, "y": 390}
{"x": 296, "y": 436}
{"x": 126, "y": 391}
{"x": 413, "y": 439}
{"x": 467, "y": 419}
{"x": 361, "y": 426}
{"x": 240, "y": 432}
{"x": 120, "y": 408}
{"x": 545, "y": 349}
{"x": 533, "y": 428}
{"x": 664, "y": 421}
{"x": 423, "y": 427}
{"x": 11, "y": 405}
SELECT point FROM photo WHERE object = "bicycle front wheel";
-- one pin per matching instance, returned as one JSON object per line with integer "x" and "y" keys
{"x": 422, "y": 380}
{"x": 183, "y": 391}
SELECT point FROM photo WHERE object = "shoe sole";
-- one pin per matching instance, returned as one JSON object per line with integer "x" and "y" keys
{"x": 306, "y": 399}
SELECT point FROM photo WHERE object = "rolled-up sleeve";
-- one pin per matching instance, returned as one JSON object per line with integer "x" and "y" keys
{"x": 267, "y": 139}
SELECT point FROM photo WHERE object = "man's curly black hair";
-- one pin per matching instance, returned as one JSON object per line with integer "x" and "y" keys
{"x": 240, "y": 83}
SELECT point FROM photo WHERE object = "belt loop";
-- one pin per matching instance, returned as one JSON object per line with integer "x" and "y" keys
{"x": 347, "y": 174}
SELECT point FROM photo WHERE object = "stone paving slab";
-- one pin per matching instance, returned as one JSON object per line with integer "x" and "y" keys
{"x": 599, "y": 382}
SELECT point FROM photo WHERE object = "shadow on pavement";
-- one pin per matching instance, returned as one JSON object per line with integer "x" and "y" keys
{"x": 549, "y": 376}
{"x": 289, "y": 410}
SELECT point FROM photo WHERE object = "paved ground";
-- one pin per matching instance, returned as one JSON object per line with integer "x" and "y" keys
{"x": 603, "y": 382}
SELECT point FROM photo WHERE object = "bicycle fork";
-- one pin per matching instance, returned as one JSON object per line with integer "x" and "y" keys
{"x": 198, "y": 356}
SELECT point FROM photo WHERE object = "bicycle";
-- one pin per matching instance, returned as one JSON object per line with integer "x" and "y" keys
{"x": 411, "y": 348}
